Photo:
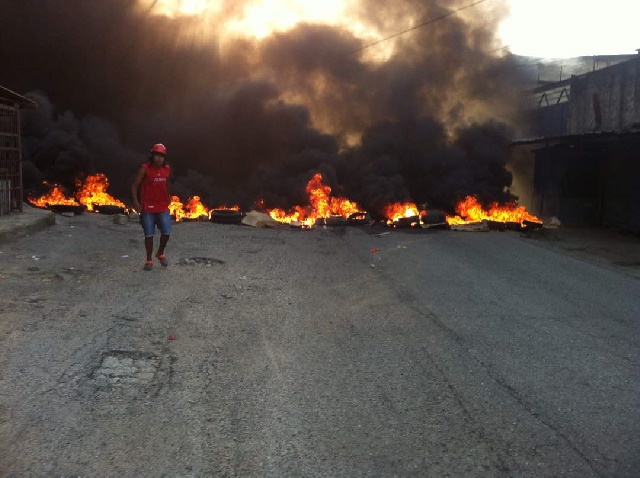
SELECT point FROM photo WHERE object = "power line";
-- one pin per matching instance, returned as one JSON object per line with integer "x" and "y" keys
{"x": 415, "y": 27}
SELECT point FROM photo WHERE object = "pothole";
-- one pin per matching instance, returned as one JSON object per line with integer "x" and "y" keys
{"x": 129, "y": 373}
{"x": 121, "y": 368}
{"x": 202, "y": 261}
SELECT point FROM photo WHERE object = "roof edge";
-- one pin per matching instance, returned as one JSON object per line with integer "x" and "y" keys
{"x": 11, "y": 97}
{"x": 576, "y": 136}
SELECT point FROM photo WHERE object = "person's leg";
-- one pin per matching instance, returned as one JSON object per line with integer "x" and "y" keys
{"x": 148, "y": 226}
{"x": 148, "y": 245}
{"x": 164, "y": 224}
{"x": 164, "y": 238}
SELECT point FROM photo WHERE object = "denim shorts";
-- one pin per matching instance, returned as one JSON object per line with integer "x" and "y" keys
{"x": 150, "y": 220}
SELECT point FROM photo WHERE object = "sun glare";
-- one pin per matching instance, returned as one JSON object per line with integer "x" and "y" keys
{"x": 545, "y": 28}
{"x": 173, "y": 8}
{"x": 194, "y": 7}
{"x": 260, "y": 19}
{"x": 552, "y": 29}
{"x": 257, "y": 19}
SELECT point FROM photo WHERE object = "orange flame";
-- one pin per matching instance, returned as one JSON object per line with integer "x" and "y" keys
{"x": 322, "y": 205}
{"x": 297, "y": 214}
{"x": 395, "y": 211}
{"x": 318, "y": 196}
{"x": 343, "y": 207}
{"x": 191, "y": 209}
{"x": 469, "y": 210}
{"x": 194, "y": 208}
{"x": 93, "y": 191}
{"x": 176, "y": 208}
{"x": 52, "y": 198}
{"x": 235, "y": 207}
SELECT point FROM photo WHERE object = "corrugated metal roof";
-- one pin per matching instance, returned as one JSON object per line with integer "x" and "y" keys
{"x": 9, "y": 97}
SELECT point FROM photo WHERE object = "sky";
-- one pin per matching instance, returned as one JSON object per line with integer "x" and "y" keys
{"x": 541, "y": 28}
{"x": 568, "y": 28}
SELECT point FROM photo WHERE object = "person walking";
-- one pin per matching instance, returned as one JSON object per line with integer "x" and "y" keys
{"x": 153, "y": 182}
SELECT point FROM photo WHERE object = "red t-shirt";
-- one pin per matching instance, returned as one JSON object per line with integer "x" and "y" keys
{"x": 154, "y": 195}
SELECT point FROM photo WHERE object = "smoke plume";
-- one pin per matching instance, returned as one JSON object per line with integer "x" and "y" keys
{"x": 420, "y": 117}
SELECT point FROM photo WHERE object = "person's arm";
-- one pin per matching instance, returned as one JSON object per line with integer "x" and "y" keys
{"x": 134, "y": 189}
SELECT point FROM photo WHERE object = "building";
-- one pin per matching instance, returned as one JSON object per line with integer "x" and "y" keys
{"x": 585, "y": 148}
{"x": 11, "y": 150}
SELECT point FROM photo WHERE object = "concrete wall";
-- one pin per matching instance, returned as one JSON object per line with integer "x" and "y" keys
{"x": 606, "y": 100}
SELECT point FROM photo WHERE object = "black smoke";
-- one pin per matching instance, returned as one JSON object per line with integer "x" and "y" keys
{"x": 245, "y": 119}
{"x": 61, "y": 148}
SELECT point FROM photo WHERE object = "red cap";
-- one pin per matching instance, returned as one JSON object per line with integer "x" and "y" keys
{"x": 159, "y": 148}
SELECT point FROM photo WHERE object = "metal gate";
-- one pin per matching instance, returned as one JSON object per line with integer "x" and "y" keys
{"x": 10, "y": 160}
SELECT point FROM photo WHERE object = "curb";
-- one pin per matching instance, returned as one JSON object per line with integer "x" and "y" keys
{"x": 25, "y": 227}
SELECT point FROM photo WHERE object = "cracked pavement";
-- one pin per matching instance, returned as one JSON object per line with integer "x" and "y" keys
{"x": 283, "y": 352}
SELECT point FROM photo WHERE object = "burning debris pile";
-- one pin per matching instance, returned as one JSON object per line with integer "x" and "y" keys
{"x": 323, "y": 208}
{"x": 469, "y": 213}
{"x": 91, "y": 195}
{"x": 194, "y": 210}
{"x": 510, "y": 216}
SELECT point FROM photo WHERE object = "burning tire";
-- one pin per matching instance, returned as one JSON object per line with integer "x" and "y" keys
{"x": 513, "y": 226}
{"x": 226, "y": 216}
{"x": 335, "y": 221}
{"x": 195, "y": 219}
{"x": 434, "y": 217}
{"x": 60, "y": 208}
{"x": 108, "y": 209}
{"x": 531, "y": 225}
{"x": 407, "y": 222}
{"x": 496, "y": 225}
{"x": 359, "y": 219}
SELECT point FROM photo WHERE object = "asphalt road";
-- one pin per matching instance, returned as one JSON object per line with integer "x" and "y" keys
{"x": 331, "y": 352}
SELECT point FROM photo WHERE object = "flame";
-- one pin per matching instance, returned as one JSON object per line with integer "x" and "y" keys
{"x": 343, "y": 207}
{"x": 194, "y": 208}
{"x": 469, "y": 210}
{"x": 93, "y": 191}
{"x": 286, "y": 217}
{"x": 53, "y": 198}
{"x": 321, "y": 205}
{"x": 395, "y": 211}
{"x": 176, "y": 208}
{"x": 235, "y": 207}
{"x": 318, "y": 196}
